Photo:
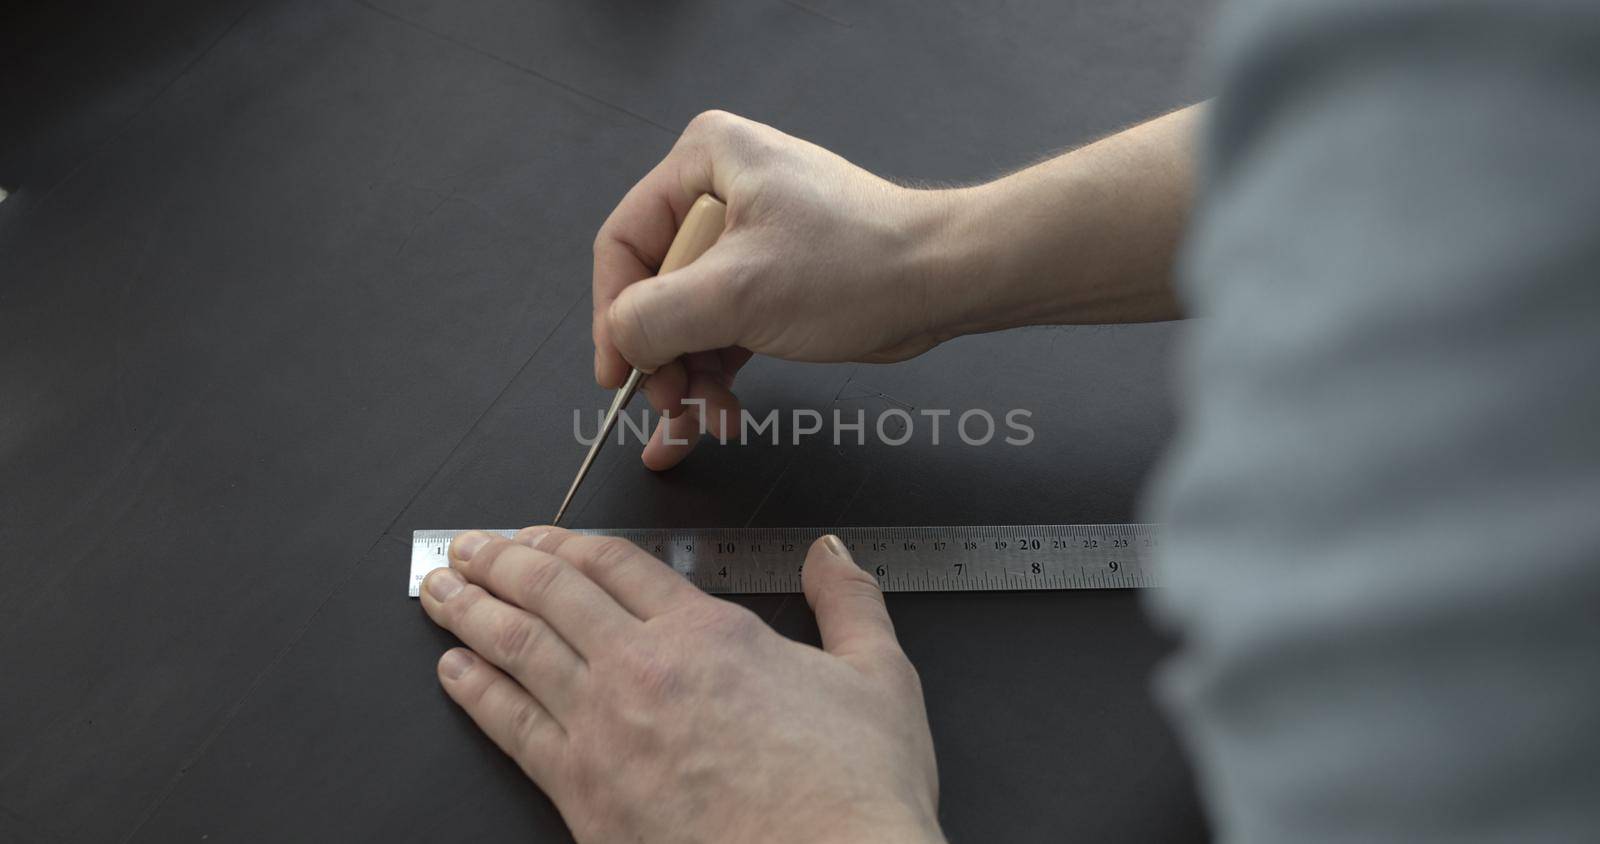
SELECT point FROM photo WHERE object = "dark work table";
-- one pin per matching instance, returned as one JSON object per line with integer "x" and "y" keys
{"x": 281, "y": 282}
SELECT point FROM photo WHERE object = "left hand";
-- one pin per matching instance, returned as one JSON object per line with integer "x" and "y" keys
{"x": 651, "y": 711}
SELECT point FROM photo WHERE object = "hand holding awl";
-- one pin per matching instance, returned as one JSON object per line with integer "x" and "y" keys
{"x": 701, "y": 228}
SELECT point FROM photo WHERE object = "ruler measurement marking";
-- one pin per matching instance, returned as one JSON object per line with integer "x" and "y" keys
{"x": 901, "y": 559}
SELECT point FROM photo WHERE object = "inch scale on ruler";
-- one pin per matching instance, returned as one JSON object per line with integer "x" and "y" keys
{"x": 987, "y": 558}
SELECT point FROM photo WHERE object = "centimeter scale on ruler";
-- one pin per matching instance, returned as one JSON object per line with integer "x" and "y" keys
{"x": 984, "y": 558}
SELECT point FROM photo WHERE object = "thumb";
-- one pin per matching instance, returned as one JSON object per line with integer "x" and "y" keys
{"x": 849, "y": 605}
{"x": 657, "y": 320}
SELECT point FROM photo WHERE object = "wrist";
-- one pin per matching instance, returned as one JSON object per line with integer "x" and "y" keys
{"x": 1086, "y": 237}
{"x": 991, "y": 256}
{"x": 978, "y": 263}
{"x": 912, "y": 819}
{"x": 882, "y": 831}
{"x": 944, "y": 249}
{"x": 975, "y": 275}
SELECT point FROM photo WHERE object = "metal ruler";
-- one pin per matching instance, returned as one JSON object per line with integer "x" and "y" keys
{"x": 904, "y": 559}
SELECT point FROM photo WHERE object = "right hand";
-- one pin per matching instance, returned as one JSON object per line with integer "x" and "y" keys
{"x": 820, "y": 261}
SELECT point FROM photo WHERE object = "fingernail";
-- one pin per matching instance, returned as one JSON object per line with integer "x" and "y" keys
{"x": 443, "y": 584}
{"x": 468, "y": 544}
{"x": 454, "y": 664}
{"x": 835, "y": 546}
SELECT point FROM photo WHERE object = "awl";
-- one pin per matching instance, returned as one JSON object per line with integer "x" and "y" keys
{"x": 701, "y": 228}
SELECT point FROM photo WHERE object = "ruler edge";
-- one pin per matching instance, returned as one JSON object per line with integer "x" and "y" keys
{"x": 426, "y": 534}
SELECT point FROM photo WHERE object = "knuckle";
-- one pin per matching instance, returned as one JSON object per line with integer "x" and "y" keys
{"x": 625, "y": 323}
{"x": 554, "y": 538}
{"x": 610, "y": 554}
{"x": 712, "y": 121}
{"x": 524, "y": 718}
{"x": 517, "y": 637}
{"x": 536, "y": 581}
{"x": 722, "y": 133}
{"x": 651, "y": 671}
{"x": 485, "y": 560}
{"x": 858, "y": 586}
{"x": 753, "y": 144}
{"x": 729, "y": 622}
{"x": 456, "y": 609}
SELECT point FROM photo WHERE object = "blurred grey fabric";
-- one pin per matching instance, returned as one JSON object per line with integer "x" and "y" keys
{"x": 1384, "y": 505}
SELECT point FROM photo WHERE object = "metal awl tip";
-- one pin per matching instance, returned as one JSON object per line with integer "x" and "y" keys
{"x": 618, "y": 404}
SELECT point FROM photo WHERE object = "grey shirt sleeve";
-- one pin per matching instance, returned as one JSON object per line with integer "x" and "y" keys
{"x": 1383, "y": 510}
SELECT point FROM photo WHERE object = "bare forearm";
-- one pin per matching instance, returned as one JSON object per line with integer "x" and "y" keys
{"x": 1087, "y": 237}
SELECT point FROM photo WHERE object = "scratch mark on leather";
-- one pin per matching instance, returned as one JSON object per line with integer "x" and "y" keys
{"x": 771, "y": 489}
{"x": 537, "y": 74}
{"x": 844, "y": 385}
{"x": 868, "y": 393}
{"x": 853, "y": 496}
{"x": 233, "y": 710}
{"x": 122, "y": 130}
{"x": 418, "y": 224}
{"x": 595, "y": 490}
{"x": 777, "y": 611}
{"x": 819, "y": 13}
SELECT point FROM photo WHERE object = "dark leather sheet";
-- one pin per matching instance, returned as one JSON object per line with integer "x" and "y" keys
{"x": 281, "y": 282}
